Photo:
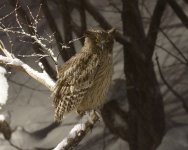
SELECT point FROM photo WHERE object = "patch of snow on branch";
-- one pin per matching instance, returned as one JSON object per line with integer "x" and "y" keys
{"x": 2, "y": 117}
{"x": 3, "y": 87}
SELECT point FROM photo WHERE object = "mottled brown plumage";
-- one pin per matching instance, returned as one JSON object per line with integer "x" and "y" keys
{"x": 83, "y": 81}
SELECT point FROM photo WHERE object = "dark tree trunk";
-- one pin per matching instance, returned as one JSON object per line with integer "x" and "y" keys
{"x": 146, "y": 113}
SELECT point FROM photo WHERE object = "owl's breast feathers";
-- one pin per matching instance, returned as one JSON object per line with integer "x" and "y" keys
{"x": 95, "y": 96}
{"x": 75, "y": 78}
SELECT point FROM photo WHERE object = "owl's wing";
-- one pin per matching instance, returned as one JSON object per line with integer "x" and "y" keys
{"x": 75, "y": 78}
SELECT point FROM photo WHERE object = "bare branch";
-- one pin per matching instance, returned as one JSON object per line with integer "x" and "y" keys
{"x": 6, "y": 16}
{"x": 154, "y": 25}
{"x": 186, "y": 1}
{"x": 77, "y": 133}
{"x": 103, "y": 22}
{"x": 12, "y": 61}
{"x": 54, "y": 28}
{"x": 174, "y": 45}
{"x": 109, "y": 113}
{"x": 67, "y": 26}
{"x": 170, "y": 87}
{"x": 179, "y": 12}
{"x": 171, "y": 54}
{"x": 36, "y": 39}
{"x": 83, "y": 18}
{"x": 83, "y": 21}
{"x": 111, "y": 3}
{"x": 36, "y": 47}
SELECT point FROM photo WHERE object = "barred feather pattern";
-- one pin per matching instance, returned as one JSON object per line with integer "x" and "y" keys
{"x": 75, "y": 79}
{"x": 95, "y": 96}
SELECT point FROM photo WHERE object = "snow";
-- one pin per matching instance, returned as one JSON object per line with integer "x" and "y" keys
{"x": 2, "y": 117}
{"x": 41, "y": 77}
{"x": 78, "y": 127}
{"x": 3, "y": 86}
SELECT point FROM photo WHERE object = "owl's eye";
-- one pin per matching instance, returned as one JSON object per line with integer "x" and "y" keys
{"x": 97, "y": 40}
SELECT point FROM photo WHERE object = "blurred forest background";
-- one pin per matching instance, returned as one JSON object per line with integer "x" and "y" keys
{"x": 146, "y": 107}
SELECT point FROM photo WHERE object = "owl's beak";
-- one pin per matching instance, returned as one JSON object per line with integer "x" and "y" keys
{"x": 101, "y": 44}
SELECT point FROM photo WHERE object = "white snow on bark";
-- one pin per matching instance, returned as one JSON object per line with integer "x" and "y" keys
{"x": 2, "y": 117}
{"x": 73, "y": 133}
{"x": 40, "y": 77}
{"x": 3, "y": 87}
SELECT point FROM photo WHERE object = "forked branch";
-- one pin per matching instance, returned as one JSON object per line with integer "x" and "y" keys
{"x": 10, "y": 60}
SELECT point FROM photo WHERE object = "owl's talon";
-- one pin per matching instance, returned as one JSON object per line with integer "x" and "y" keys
{"x": 81, "y": 113}
{"x": 89, "y": 119}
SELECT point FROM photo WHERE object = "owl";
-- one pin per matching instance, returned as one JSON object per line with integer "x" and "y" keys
{"x": 84, "y": 79}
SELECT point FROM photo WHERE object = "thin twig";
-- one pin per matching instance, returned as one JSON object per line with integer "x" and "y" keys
{"x": 111, "y": 3}
{"x": 170, "y": 87}
{"x": 36, "y": 47}
{"x": 103, "y": 22}
{"x": 179, "y": 12}
{"x": 154, "y": 26}
{"x": 53, "y": 26}
{"x": 66, "y": 14}
{"x": 171, "y": 54}
{"x": 174, "y": 45}
{"x": 82, "y": 19}
{"x": 11, "y": 60}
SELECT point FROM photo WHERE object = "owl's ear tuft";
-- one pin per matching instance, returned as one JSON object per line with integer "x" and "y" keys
{"x": 112, "y": 31}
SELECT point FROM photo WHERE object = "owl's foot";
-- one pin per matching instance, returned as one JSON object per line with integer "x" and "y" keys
{"x": 81, "y": 113}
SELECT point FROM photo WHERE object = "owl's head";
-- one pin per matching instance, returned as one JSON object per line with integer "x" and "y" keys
{"x": 100, "y": 38}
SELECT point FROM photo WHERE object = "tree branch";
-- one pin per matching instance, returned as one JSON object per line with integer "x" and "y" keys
{"x": 77, "y": 133}
{"x": 76, "y": 29}
{"x": 179, "y": 12}
{"x": 170, "y": 87}
{"x": 12, "y": 61}
{"x": 186, "y": 1}
{"x": 83, "y": 21}
{"x": 171, "y": 54}
{"x": 67, "y": 27}
{"x": 134, "y": 29}
{"x": 175, "y": 47}
{"x": 80, "y": 130}
{"x": 154, "y": 26}
{"x": 54, "y": 28}
{"x": 112, "y": 114}
{"x": 103, "y": 22}
{"x": 36, "y": 47}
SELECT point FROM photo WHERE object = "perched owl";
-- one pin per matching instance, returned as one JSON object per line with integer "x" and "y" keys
{"x": 83, "y": 80}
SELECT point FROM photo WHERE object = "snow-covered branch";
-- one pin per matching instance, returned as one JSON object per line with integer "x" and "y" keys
{"x": 77, "y": 133}
{"x": 33, "y": 35}
{"x": 10, "y": 60}
{"x": 3, "y": 87}
{"x": 80, "y": 130}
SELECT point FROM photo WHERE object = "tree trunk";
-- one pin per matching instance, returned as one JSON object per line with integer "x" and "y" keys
{"x": 146, "y": 114}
